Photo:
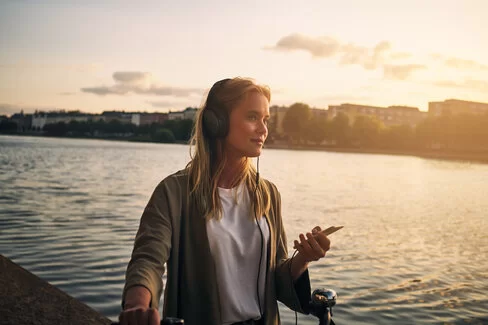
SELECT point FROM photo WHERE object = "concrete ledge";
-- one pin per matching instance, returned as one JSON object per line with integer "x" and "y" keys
{"x": 27, "y": 299}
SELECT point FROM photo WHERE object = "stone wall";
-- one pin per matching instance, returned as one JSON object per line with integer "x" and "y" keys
{"x": 27, "y": 299}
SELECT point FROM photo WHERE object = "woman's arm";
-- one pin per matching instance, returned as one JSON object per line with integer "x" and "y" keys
{"x": 298, "y": 266}
{"x": 137, "y": 296}
{"x": 151, "y": 250}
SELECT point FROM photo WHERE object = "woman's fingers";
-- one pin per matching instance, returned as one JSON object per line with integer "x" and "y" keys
{"x": 139, "y": 316}
{"x": 153, "y": 316}
{"x": 317, "y": 250}
{"x": 123, "y": 319}
{"x": 308, "y": 250}
{"x": 302, "y": 246}
{"x": 323, "y": 241}
{"x": 133, "y": 318}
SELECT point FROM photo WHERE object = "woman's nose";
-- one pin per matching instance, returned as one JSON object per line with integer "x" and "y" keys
{"x": 263, "y": 128}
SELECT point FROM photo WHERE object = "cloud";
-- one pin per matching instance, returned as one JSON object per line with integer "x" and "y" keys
{"x": 344, "y": 98}
{"x": 401, "y": 71}
{"x": 379, "y": 57}
{"x": 141, "y": 83}
{"x": 169, "y": 104}
{"x": 102, "y": 90}
{"x": 478, "y": 85}
{"x": 436, "y": 56}
{"x": 465, "y": 64}
{"x": 367, "y": 58}
{"x": 458, "y": 63}
{"x": 350, "y": 54}
{"x": 321, "y": 47}
{"x": 327, "y": 47}
{"x": 131, "y": 76}
{"x": 400, "y": 55}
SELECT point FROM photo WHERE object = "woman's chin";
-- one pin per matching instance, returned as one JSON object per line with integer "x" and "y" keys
{"x": 254, "y": 153}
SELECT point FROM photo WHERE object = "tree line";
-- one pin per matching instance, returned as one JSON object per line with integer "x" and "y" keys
{"x": 300, "y": 128}
{"x": 446, "y": 132}
{"x": 169, "y": 131}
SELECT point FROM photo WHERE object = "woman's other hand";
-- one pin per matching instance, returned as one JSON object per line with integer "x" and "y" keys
{"x": 139, "y": 315}
{"x": 136, "y": 309}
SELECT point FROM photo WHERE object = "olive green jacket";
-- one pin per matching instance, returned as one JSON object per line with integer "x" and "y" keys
{"x": 172, "y": 231}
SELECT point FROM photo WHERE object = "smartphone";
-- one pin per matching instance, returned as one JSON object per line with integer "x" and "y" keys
{"x": 331, "y": 230}
{"x": 328, "y": 231}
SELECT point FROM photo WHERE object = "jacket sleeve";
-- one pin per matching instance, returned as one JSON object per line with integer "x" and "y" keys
{"x": 296, "y": 294}
{"x": 152, "y": 246}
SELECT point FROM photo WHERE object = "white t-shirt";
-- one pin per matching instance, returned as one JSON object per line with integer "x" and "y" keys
{"x": 235, "y": 244}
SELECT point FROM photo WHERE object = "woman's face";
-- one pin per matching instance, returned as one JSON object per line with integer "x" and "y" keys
{"x": 248, "y": 126}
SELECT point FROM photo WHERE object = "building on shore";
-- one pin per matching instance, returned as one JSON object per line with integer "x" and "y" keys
{"x": 277, "y": 114}
{"x": 319, "y": 113}
{"x": 40, "y": 119}
{"x": 120, "y": 116}
{"x": 139, "y": 119}
{"x": 188, "y": 113}
{"x": 23, "y": 121}
{"x": 391, "y": 115}
{"x": 457, "y": 107}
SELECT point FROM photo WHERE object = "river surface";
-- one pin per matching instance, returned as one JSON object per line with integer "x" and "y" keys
{"x": 414, "y": 248}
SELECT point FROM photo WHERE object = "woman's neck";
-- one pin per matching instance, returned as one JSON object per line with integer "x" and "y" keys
{"x": 232, "y": 169}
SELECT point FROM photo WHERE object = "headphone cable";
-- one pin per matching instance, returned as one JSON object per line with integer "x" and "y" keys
{"x": 262, "y": 238}
{"x": 292, "y": 284}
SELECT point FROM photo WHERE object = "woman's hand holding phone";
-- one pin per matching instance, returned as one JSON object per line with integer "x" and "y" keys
{"x": 313, "y": 246}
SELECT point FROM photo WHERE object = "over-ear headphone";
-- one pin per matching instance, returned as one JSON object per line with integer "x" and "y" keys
{"x": 215, "y": 117}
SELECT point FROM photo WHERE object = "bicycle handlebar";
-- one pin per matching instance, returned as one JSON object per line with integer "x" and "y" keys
{"x": 164, "y": 321}
{"x": 321, "y": 306}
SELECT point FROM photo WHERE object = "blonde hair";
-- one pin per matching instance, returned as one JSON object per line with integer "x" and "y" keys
{"x": 208, "y": 159}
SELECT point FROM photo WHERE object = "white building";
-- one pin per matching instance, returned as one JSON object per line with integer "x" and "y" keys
{"x": 176, "y": 115}
{"x": 39, "y": 120}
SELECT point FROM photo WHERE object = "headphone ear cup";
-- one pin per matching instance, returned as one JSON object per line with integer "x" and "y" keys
{"x": 215, "y": 125}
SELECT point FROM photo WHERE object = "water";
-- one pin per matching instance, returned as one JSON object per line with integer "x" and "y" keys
{"x": 414, "y": 248}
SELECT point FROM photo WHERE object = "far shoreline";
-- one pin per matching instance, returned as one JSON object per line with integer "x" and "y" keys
{"x": 465, "y": 156}
{"x": 479, "y": 157}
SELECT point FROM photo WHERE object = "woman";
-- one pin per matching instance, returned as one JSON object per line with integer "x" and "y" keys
{"x": 218, "y": 227}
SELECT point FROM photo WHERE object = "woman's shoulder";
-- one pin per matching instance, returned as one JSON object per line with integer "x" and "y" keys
{"x": 177, "y": 179}
{"x": 273, "y": 189}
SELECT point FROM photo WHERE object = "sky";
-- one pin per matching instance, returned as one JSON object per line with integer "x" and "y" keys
{"x": 165, "y": 55}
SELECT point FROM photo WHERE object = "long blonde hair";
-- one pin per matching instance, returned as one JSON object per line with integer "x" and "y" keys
{"x": 208, "y": 159}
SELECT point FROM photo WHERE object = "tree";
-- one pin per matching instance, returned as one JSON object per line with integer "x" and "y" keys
{"x": 296, "y": 121}
{"x": 428, "y": 133}
{"x": 317, "y": 130}
{"x": 7, "y": 126}
{"x": 164, "y": 135}
{"x": 366, "y": 130}
{"x": 180, "y": 128}
{"x": 56, "y": 129}
{"x": 398, "y": 137}
{"x": 340, "y": 130}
